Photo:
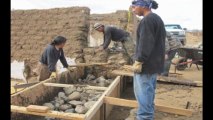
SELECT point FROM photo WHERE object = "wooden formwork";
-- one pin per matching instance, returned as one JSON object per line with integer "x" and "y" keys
{"x": 45, "y": 90}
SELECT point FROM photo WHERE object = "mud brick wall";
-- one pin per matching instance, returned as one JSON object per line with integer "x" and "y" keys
{"x": 32, "y": 30}
{"x": 119, "y": 18}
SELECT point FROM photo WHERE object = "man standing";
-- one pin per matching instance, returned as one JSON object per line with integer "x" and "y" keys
{"x": 149, "y": 56}
{"x": 117, "y": 35}
{"x": 171, "y": 47}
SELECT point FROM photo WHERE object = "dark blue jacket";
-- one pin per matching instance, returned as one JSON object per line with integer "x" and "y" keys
{"x": 114, "y": 34}
{"x": 150, "y": 44}
{"x": 51, "y": 56}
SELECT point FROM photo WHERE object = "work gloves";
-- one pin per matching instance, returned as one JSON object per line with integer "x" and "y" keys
{"x": 53, "y": 75}
{"x": 137, "y": 67}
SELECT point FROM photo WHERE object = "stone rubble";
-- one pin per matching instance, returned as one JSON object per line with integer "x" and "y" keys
{"x": 77, "y": 99}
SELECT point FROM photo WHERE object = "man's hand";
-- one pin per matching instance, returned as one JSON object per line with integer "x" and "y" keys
{"x": 100, "y": 48}
{"x": 53, "y": 75}
{"x": 137, "y": 67}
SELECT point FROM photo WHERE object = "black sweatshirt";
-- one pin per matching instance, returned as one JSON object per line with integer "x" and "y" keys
{"x": 50, "y": 57}
{"x": 113, "y": 33}
{"x": 150, "y": 44}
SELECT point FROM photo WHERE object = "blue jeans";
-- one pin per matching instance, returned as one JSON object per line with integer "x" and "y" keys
{"x": 144, "y": 89}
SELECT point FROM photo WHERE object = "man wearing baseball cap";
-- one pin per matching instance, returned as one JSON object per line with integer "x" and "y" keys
{"x": 117, "y": 35}
{"x": 149, "y": 56}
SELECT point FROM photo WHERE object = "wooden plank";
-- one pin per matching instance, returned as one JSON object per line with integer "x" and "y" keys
{"x": 113, "y": 85}
{"x": 114, "y": 93}
{"x": 174, "y": 110}
{"x": 94, "y": 108}
{"x": 122, "y": 72}
{"x": 87, "y": 64}
{"x": 69, "y": 85}
{"x": 98, "y": 104}
{"x": 134, "y": 103}
{"x": 179, "y": 81}
{"x": 31, "y": 87}
{"x": 120, "y": 102}
{"x": 54, "y": 114}
{"x": 163, "y": 78}
{"x": 36, "y": 108}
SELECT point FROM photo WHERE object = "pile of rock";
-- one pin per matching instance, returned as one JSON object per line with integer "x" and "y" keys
{"x": 74, "y": 100}
{"x": 92, "y": 80}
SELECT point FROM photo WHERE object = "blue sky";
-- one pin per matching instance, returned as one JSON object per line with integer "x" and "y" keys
{"x": 187, "y": 13}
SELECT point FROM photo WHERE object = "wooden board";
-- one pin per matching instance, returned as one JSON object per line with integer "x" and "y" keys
{"x": 87, "y": 64}
{"x": 93, "y": 113}
{"x": 39, "y": 93}
{"x": 54, "y": 114}
{"x": 36, "y": 108}
{"x": 100, "y": 101}
{"x": 179, "y": 81}
{"x": 122, "y": 72}
{"x": 133, "y": 103}
{"x": 120, "y": 102}
{"x": 31, "y": 87}
{"x": 70, "y": 85}
{"x": 163, "y": 78}
{"x": 114, "y": 93}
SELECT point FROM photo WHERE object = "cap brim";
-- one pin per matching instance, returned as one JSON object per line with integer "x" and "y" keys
{"x": 97, "y": 27}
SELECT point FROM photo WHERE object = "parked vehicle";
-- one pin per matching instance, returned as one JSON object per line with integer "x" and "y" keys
{"x": 177, "y": 31}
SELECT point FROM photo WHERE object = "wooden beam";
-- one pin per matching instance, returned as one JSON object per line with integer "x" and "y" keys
{"x": 100, "y": 101}
{"x": 120, "y": 102}
{"x": 69, "y": 85}
{"x": 32, "y": 87}
{"x": 123, "y": 72}
{"x": 174, "y": 110}
{"x": 179, "y": 81}
{"x": 36, "y": 108}
{"x": 54, "y": 114}
{"x": 162, "y": 78}
{"x": 87, "y": 64}
{"x": 133, "y": 103}
{"x": 113, "y": 85}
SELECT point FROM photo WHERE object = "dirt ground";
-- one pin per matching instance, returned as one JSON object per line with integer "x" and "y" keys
{"x": 170, "y": 94}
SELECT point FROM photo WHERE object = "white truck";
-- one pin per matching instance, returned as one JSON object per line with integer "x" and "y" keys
{"x": 177, "y": 31}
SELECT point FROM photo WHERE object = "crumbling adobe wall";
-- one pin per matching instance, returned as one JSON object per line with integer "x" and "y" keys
{"x": 32, "y": 30}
